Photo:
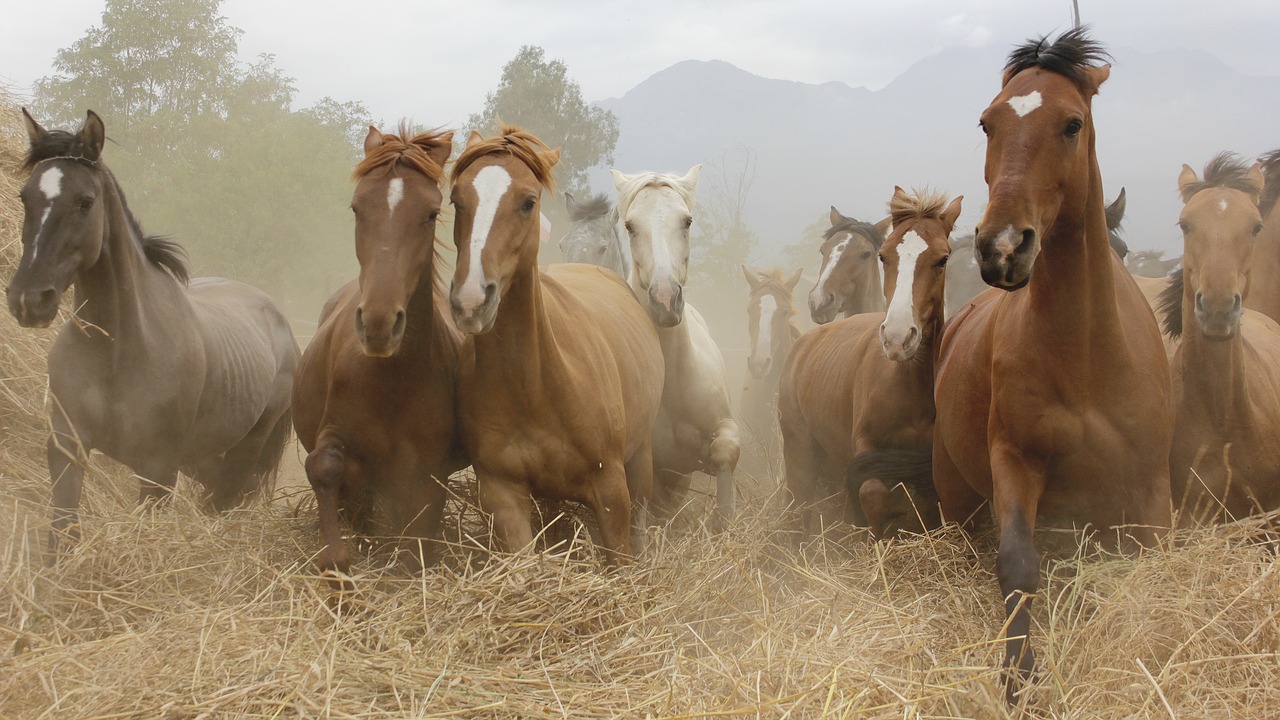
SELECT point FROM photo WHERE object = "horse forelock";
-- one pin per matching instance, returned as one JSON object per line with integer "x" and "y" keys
{"x": 918, "y": 205}
{"x": 56, "y": 144}
{"x": 596, "y": 206}
{"x": 773, "y": 282}
{"x": 631, "y": 188}
{"x": 414, "y": 152}
{"x": 1070, "y": 55}
{"x": 518, "y": 143}
{"x": 858, "y": 227}
{"x": 1224, "y": 170}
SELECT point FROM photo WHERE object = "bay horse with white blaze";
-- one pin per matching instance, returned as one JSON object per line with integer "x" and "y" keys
{"x": 1053, "y": 398}
{"x": 1226, "y": 372}
{"x": 856, "y": 395}
{"x": 157, "y": 373}
{"x": 849, "y": 278}
{"x": 374, "y": 398}
{"x": 561, "y": 376}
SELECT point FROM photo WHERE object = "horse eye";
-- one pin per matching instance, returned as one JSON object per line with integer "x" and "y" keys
{"x": 866, "y": 254}
{"x": 629, "y": 227}
{"x": 942, "y": 262}
{"x": 881, "y": 259}
{"x": 1257, "y": 229}
{"x": 87, "y": 202}
{"x": 688, "y": 223}
{"x": 432, "y": 217}
{"x": 528, "y": 205}
{"x": 1182, "y": 225}
{"x": 1074, "y": 127}
{"x": 983, "y": 126}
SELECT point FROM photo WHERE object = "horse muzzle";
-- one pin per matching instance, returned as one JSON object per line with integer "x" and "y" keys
{"x": 473, "y": 315}
{"x": 825, "y": 311}
{"x": 899, "y": 343}
{"x": 34, "y": 308}
{"x": 380, "y": 333}
{"x": 1219, "y": 320}
{"x": 759, "y": 367}
{"x": 666, "y": 304}
{"x": 1005, "y": 258}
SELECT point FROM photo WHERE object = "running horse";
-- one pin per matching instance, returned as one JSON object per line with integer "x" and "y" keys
{"x": 857, "y": 394}
{"x": 1052, "y": 398}
{"x": 1226, "y": 372}
{"x": 562, "y": 373}
{"x": 156, "y": 372}
{"x": 849, "y": 277}
{"x": 374, "y": 398}
{"x": 770, "y": 309}
{"x": 695, "y": 429}
{"x": 1264, "y": 278}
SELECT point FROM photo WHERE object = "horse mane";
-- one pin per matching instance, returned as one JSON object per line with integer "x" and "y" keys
{"x": 1169, "y": 305}
{"x": 414, "y": 152}
{"x": 631, "y": 187}
{"x": 1069, "y": 55}
{"x": 852, "y": 225}
{"x": 591, "y": 208}
{"x": 160, "y": 250}
{"x": 1224, "y": 170}
{"x": 1270, "y": 191}
{"x": 514, "y": 141}
{"x": 918, "y": 205}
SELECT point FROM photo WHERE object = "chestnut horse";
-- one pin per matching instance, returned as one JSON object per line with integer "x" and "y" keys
{"x": 1226, "y": 372}
{"x": 157, "y": 373}
{"x": 849, "y": 277}
{"x": 770, "y": 309}
{"x": 857, "y": 393}
{"x": 1053, "y": 398}
{"x": 561, "y": 376}
{"x": 374, "y": 398}
{"x": 1264, "y": 277}
{"x": 695, "y": 429}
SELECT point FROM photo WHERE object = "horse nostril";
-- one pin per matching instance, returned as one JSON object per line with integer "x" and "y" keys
{"x": 48, "y": 297}
{"x": 360, "y": 321}
{"x": 911, "y": 335}
{"x": 490, "y": 289}
{"x": 1235, "y": 306}
{"x": 1199, "y": 302}
{"x": 398, "y": 327}
{"x": 1028, "y": 237}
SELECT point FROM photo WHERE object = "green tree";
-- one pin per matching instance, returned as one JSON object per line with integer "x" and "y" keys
{"x": 538, "y": 95}
{"x": 210, "y": 150}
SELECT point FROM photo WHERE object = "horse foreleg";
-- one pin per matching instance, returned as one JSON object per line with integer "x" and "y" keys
{"x": 329, "y": 471}
{"x": 958, "y": 502}
{"x": 638, "y": 482}
{"x": 722, "y": 459}
{"x": 1018, "y": 487}
{"x": 802, "y": 457}
{"x": 509, "y": 507}
{"x": 67, "y": 474}
{"x": 417, "y": 505}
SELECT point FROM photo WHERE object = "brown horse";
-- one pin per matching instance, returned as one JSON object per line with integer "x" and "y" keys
{"x": 1264, "y": 277}
{"x": 1053, "y": 398}
{"x": 770, "y": 309}
{"x": 562, "y": 374}
{"x": 374, "y": 399}
{"x": 160, "y": 374}
{"x": 1226, "y": 372}
{"x": 857, "y": 393}
{"x": 849, "y": 277}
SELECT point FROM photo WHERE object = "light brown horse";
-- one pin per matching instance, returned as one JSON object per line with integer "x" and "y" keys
{"x": 1053, "y": 398}
{"x": 1264, "y": 277}
{"x": 849, "y": 277}
{"x": 562, "y": 374}
{"x": 374, "y": 398}
{"x": 857, "y": 394}
{"x": 770, "y": 309}
{"x": 156, "y": 372}
{"x": 1226, "y": 372}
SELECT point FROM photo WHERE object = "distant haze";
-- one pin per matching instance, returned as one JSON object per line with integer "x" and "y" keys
{"x": 830, "y": 144}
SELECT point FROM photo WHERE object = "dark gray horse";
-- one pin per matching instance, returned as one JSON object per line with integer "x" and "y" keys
{"x": 155, "y": 372}
{"x": 595, "y": 237}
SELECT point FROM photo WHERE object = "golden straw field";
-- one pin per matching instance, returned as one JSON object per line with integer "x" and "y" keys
{"x": 172, "y": 613}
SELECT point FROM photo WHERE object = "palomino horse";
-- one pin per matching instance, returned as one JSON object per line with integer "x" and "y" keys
{"x": 770, "y": 309}
{"x": 374, "y": 399}
{"x": 1052, "y": 398}
{"x": 561, "y": 378}
{"x": 857, "y": 394}
{"x": 1226, "y": 372}
{"x": 154, "y": 372}
{"x": 695, "y": 428}
{"x": 1264, "y": 278}
{"x": 849, "y": 278}
{"x": 595, "y": 236}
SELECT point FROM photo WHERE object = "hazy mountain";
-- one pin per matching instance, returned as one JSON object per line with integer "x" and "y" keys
{"x": 819, "y": 145}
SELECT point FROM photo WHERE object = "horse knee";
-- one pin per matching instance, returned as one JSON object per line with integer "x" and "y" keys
{"x": 324, "y": 467}
{"x": 726, "y": 446}
{"x": 1018, "y": 563}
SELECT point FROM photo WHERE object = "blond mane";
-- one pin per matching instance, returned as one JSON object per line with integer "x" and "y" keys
{"x": 516, "y": 142}
{"x": 918, "y": 205}
{"x": 416, "y": 153}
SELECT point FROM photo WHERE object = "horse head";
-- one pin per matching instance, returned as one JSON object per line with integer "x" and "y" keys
{"x": 656, "y": 211}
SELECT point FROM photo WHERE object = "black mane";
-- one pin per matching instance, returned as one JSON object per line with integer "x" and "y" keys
{"x": 1169, "y": 305}
{"x": 593, "y": 207}
{"x": 850, "y": 225}
{"x": 1225, "y": 170}
{"x": 1069, "y": 55}
{"x": 1271, "y": 192}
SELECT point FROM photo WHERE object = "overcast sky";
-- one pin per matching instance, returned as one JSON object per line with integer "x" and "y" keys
{"x": 435, "y": 61}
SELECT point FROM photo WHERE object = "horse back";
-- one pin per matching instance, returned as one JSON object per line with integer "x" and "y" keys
{"x": 821, "y": 377}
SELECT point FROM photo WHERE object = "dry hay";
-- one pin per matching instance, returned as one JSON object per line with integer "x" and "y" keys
{"x": 171, "y": 613}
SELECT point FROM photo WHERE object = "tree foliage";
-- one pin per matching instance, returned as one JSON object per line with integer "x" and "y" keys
{"x": 210, "y": 149}
{"x": 538, "y": 95}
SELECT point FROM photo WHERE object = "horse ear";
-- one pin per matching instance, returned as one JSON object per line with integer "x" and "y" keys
{"x": 440, "y": 153}
{"x": 689, "y": 185}
{"x": 951, "y": 214}
{"x": 1257, "y": 180}
{"x": 752, "y": 280}
{"x": 1095, "y": 75}
{"x": 474, "y": 138}
{"x": 372, "y": 141}
{"x": 94, "y": 135}
{"x": 795, "y": 279}
{"x": 898, "y": 192}
{"x": 1116, "y": 210}
{"x": 885, "y": 226}
{"x": 1186, "y": 179}
{"x": 570, "y": 204}
{"x": 836, "y": 217}
{"x": 552, "y": 157}
{"x": 35, "y": 133}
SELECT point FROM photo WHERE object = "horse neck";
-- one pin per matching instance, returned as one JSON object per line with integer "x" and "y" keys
{"x": 420, "y": 311}
{"x": 869, "y": 298}
{"x": 520, "y": 348}
{"x": 1214, "y": 381}
{"x": 1264, "y": 276}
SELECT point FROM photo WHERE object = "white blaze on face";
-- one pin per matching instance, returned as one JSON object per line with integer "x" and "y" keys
{"x": 1025, "y": 103}
{"x": 491, "y": 184}
{"x": 901, "y": 315}
{"x": 1222, "y": 205}
{"x": 395, "y": 192}
{"x": 51, "y": 186}
{"x": 764, "y": 341}
{"x": 818, "y": 294}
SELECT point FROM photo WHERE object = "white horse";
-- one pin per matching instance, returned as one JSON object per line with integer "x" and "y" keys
{"x": 695, "y": 429}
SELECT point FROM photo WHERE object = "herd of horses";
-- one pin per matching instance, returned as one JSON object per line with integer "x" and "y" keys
{"x": 1051, "y": 394}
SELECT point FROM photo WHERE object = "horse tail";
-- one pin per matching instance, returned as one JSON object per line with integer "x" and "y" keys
{"x": 266, "y": 467}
